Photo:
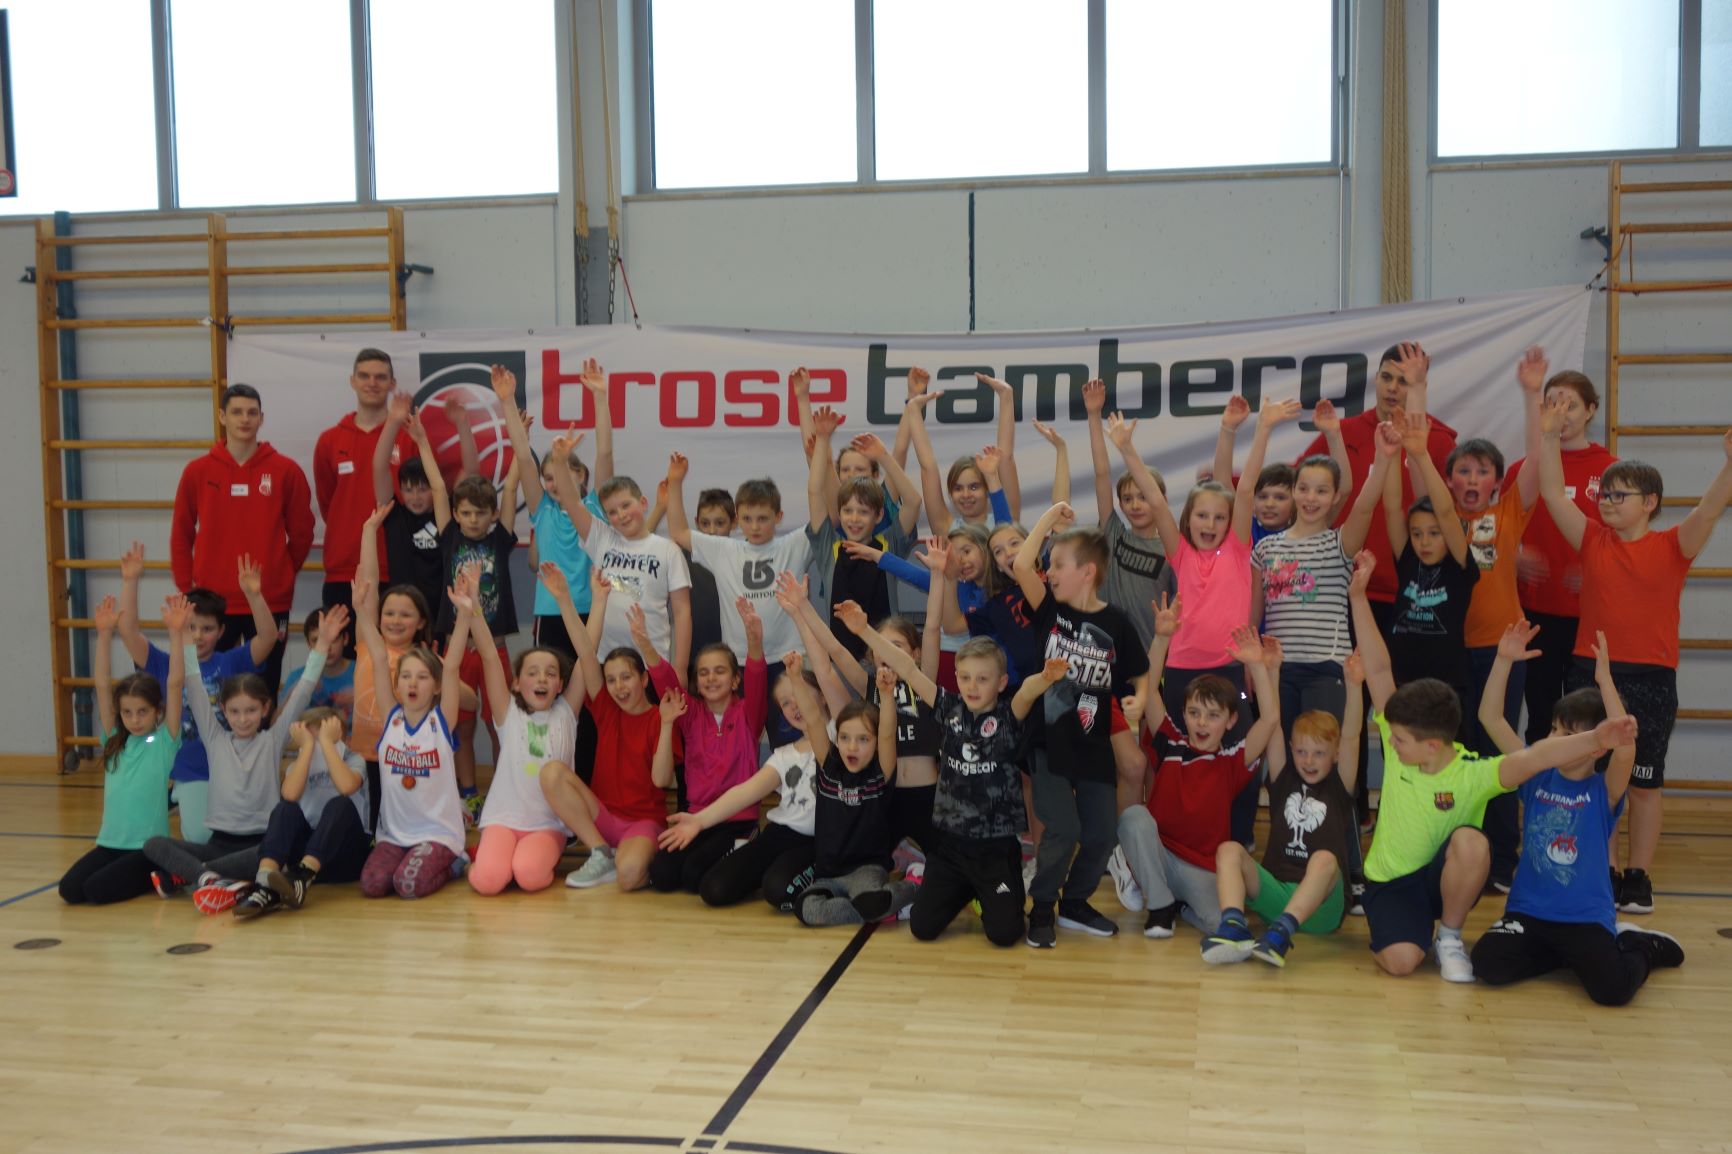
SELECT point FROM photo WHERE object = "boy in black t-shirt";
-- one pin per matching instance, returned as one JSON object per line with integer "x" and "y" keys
{"x": 851, "y": 826}
{"x": 420, "y": 505}
{"x": 974, "y": 854}
{"x": 1434, "y": 574}
{"x": 1076, "y": 799}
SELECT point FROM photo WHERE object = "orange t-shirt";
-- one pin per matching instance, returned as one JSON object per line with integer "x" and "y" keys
{"x": 368, "y": 724}
{"x": 1494, "y": 540}
{"x": 1631, "y": 590}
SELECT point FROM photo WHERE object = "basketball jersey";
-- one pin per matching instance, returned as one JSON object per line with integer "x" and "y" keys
{"x": 526, "y": 741}
{"x": 418, "y": 781}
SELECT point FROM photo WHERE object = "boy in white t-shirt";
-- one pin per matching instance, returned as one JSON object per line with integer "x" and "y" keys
{"x": 746, "y": 566}
{"x": 643, "y": 569}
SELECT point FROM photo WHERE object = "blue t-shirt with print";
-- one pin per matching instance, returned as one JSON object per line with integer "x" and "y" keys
{"x": 326, "y": 691}
{"x": 1564, "y": 874}
{"x": 191, "y": 764}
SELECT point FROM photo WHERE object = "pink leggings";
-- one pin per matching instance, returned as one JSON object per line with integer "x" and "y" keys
{"x": 506, "y": 855}
{"x": 412, "y": 871}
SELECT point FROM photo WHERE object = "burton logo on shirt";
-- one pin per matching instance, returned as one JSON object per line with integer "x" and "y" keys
{"x": 1444, "y": 800}
{"x": 758, "y": 574}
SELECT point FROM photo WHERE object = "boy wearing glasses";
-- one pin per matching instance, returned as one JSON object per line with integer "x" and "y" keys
{"x": 1632, "y": 584}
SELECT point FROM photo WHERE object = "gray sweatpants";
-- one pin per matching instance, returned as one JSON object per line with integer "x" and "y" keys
{"x": 187, "y": 859}
{"x": 1165, "y": 877}
{"x": 840, "y": 908}
{"x": 1078, "y": 839}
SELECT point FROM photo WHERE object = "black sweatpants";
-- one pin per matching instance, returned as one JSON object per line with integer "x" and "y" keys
{"x": 962, "y": 870}
{"x": 911, "y": 812}
{"x": 1520, "y": 946}
{"x": 340, "y": 842}
{"x": 684, "y": 869}
{"x": 106, "y": 875}
{"x": 1547, "y": 672}
{"x": 777, "y": 864}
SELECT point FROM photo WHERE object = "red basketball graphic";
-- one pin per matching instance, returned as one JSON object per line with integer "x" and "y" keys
{"x": 408, "y": 782}
{"x": 492, "y": 441}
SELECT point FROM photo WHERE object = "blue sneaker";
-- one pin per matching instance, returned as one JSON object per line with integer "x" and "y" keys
{"x": 1272, "y": 947}
{"x": 1231, "y": 942}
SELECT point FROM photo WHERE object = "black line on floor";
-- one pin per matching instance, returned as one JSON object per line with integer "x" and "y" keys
{"x": 1686, "y": 894}
{"x": 785, "y": 1038}
{"x": 501, "y": 1140}
{"x": 30, "y": 894}
{"x": 49, "y": 785}
{"x": 61, "y": 836}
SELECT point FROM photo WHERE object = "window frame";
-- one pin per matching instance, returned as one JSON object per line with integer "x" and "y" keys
{"x": 866, "y": 125}
{"x": 1688, "y": 111}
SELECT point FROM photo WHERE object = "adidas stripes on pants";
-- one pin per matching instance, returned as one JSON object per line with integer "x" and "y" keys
{"x": 962, "y": 870}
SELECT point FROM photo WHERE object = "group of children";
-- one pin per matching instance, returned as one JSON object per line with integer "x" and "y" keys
{"x": 1075, "y": 699}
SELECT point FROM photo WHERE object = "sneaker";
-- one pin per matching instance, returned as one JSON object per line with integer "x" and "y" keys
{"x": 906, "y": 854}
{"x": 1272, "y": 947}
{"x": 291, "y": 884}
{"x": 1356, "y": 898}
{"x": 1159, "y": 923}
{"x": 216, "y": 894}
{"x": 1124, "y": 881}
{"x": 1617, "y": 887}
{"x": 258, "y": 900}
{"x": 597, "y": 871}
{"x": 1084, "y": 917}
{"x": 1637, "y": 895}
{"x": 471, "y": 809}
{"x": 1042, "y": 933}
{"x": 1501, "y": 885}
{"x": 1231, "y": 942}
{"x": 915, "y": 874}
{"x": 1663, "y": 950}
{"x": 1452, "y": 960}
{"x": 165, "y": 883}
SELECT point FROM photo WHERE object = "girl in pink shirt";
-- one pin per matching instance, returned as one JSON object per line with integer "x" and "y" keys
{"x": 720, "y": 732}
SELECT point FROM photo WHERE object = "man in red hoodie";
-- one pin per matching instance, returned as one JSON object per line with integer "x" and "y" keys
{"x": 242, "y": 498}
{"x": 343, "y": 473}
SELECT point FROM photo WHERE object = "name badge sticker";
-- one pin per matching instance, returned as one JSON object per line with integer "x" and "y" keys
{"x": 344, "y": 468}
{"x": 238, "y": 490}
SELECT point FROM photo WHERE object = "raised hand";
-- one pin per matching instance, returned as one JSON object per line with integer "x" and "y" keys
{"x": 673, "y": 706}
{"x": 377, "y": 517}
{"x": 331, "y": 729}
{"x": 826, "y": 420}
{"x": 678, "y": 468}
{"x": 1326, "y": 417}
{"x": 750, "y": 619}
{"x": 399, "y": 407}
{"x": 852, "y": 617}
{"x": 250, "y": 576}
{"x": 1415, "y": 432}
{"x": 1006, "y": 394}
{"x": 639, "y": 626}
{"x": 1516, "y": 638}
{"x": 417, "y": 430}
{"x": 176, "y": 612}
{"x": 1063, "y": 516}
{"x": 1275, "y": 412}
{"x": 938, "y": 555}
{"x": 1353, "y": 669}
{"x": 1616, "y": 731}
{"x": 462, "y": 599}
{"x": 1055, "y": 670}
{"x": 987, "y": 460}
{"x": 1238, "y": 411}
{"x": 861, "y": 551}
{"x": 1602, "y": 658}
{"x": 1119, "y": 431}
{"x": 594, "y": 377}
{"x": 1726, "y": 443}
{"x": 1531, "y": 370}
{"x": 886, "y": 679}
{"x": 1413, "y": 363}
{"x": 455, "y": 412}
{"x": 919, "y": 380}
{"x": 132, "y": 562}
{"x": 800, "y": 380}
{"x": 1051, "y": 434}
{"x": 870, "y": 446}
{"x": 106, "y": 616}
{"x": 662, "y": 491}
{"x": 1389, "y": 437}
{"x": 553, "y": 580}
{"x": 793, "y": 663}
{"x": 333, "y": 623}
{"x": 362, "y": 592}
{"x": 791, "y": 593}
{"x": 1167, "y": 617}
{"x": 1134, "y": 707}
{"x": 1094, "y": 397}
{"x": 1553, "y": 415}
{"x": 1245, "y": 646}
{"x": 1273, "y": 654}
{"x": 600, "y": 584}
{"x": 1364, "y": 564}
{"x": 504, "y": 383}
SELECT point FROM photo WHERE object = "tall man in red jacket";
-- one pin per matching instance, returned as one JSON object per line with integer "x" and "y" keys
{"x": 343, "y": 473}
{"x": 243, "y": 498}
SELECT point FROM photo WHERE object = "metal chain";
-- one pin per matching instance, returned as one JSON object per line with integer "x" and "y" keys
{"x": 612, "y": 274}
{"x": 583, "y": 280}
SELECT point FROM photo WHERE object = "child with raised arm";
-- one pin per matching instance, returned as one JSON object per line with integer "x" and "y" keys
{"x": 719, "y": 732}
{"x": 977, "y": 498}
{"x": 191, "y": 775}
{"x": 1627, "y": 563}
{"x": 1139, "y": 572}
{"x": 1298, "y": 888}
{"x": 418, "y": 504}
{"x": 335, "y": 688}
{"x": 420, "y": 833}
{"x": 1171, "y": 840}
{"x": 245, "y": 756}
{"x": 973, "y": 855}
{"x": 1273, "y": 494}
{"x": 851, "y": 883}
{"x": 1561, "y": 911}
{"x": 777, "y": 862}
{"x": 623, "y": 807}
{"x": 1078, "y": 771}
{"x": 1429, "y": 860}
{"x": 141, "y": 735}
{"x": 643, "y": 569}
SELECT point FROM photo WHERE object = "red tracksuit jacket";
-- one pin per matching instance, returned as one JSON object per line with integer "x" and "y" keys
{"x": 223, "y": 509}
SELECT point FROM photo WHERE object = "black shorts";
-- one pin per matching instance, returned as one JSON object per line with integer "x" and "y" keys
{"x": 1406, "y": 909}
{"x": 1650, "y": 694}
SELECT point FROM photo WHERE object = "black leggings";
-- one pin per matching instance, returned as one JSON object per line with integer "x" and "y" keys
{"x": 106, "y": 875}
{"x": 776, "y": 864}
{"x": 1521, "y": 946}
{"x": 684, "y": 869}
{"x": 959, "y": 871}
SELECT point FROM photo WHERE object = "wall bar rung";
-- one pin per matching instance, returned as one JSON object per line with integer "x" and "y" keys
{"x": 1671, "y": 430}
{"x": 308, "y": 234}
{"x": 127, "y": 274}
{"x": 126, "y": 323}
{"x": 105, "y": 563}
{"x": 1672, "y": 286}
{"x": 113, "y": 506}
{"x": 144, "y": 383}
{"x": 141, "y": 238}
{"x": 1678, "y": 186}
{"x": 1673, "y": 358}
{"x": 328, "y": 319}
{"x": 1678, "y": 227}
{"x": 140, "y": 444}
{"x": 304, "y": 269}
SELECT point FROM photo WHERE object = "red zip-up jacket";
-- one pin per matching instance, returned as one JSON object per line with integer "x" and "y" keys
{"x": 224, "y": 508}
{"x": 343, "y": 480}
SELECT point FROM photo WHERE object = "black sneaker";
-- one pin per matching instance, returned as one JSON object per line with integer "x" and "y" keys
{"x": 1084, "y": 917}
{"x": 1663, "y": 950}
{"x": 872, "y": 905}
{"x": 1159, "y": 923}
{"x": 1637, "y": 895}
{"x": 259, "y": 900}
{"x": 1617, "y": 887}
{"x": 1042, "y": 932}
{"x": 291, "y": 884}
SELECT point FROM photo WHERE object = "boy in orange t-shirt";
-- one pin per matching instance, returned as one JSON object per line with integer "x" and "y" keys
{"x": 1632, "y": 585}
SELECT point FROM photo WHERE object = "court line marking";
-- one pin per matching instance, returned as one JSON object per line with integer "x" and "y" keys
{"x": 785, "y": 1037}
{"x": 502, "y": 1140}
{"x": 48, "y": 785}
{"x": 61, "y": 836}
{"x": 30, "y": 894}
{"x": 1686, "y": 894}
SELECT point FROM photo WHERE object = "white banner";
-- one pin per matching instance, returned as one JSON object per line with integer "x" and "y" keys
{"x": 721, "y": 396}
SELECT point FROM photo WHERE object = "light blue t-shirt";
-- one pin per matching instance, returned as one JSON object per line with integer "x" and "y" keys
{"x": 556, "y": 540}
{"x": 326, "y": 691}
{"x": 320, "y": 790}
{"x": 1564, "y": 874}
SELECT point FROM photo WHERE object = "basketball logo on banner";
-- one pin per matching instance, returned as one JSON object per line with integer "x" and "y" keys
{"x": 467, "y": 379}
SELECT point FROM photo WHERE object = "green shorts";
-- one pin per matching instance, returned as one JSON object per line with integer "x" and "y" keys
{"x": 1273, "y": 896}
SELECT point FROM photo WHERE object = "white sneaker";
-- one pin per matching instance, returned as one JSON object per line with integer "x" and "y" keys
{"x": 597, "y": 871}
{"x": 1027, "y": 872}
{"x": 1452, "y": 960}
{"x": 1125, "y": 882}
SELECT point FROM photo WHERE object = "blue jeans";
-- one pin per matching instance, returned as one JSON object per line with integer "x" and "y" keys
{"x": 1309, "y": 685}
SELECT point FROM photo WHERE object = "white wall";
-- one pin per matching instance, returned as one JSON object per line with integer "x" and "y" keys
{"x": 1046, "y": 256}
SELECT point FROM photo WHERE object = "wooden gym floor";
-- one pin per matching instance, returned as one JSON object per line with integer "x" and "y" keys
{"x": 604, "y": 1022}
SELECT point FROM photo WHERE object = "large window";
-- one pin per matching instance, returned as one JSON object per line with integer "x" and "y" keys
{"x": 980, "y": 87}
{"x": 1556, "y": 76}
{"x": 759, "y": 93}
{"x": 1245, "y": 84}
{"x": 83, "y": 113}
{"x": 1716, "y": 73}
{"x": 464, "y": 98}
